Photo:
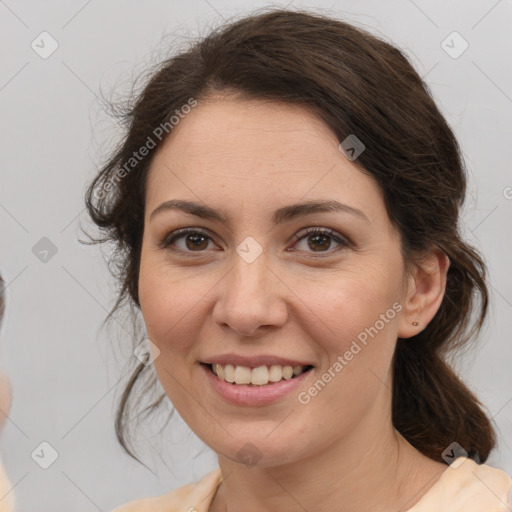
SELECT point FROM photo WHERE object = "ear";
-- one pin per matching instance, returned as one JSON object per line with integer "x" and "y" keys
{"x": 424, "y": 292}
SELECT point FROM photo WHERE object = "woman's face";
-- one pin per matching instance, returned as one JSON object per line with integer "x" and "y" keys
{"x": 261, "y": 293}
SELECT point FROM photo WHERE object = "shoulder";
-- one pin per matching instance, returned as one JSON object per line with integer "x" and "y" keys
{"x": 193, "y": 497}
{"x": 6, "y": 495}
{"x": 466, "y": 486}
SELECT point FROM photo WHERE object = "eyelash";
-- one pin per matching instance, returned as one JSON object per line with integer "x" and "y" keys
{"x": 180, "y": 233}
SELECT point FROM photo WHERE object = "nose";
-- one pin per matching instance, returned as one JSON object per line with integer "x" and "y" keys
{"x": 251, "y": 299}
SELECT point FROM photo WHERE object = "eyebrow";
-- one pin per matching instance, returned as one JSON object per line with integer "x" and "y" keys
{"x": 283, "y": 214}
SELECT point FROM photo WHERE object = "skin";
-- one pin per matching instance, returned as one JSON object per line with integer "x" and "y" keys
{"x": 5, "y": 398}
{"x": 6, "y": 496}
{"x": 5, "y": 383}
{"x": 290, "y": 301}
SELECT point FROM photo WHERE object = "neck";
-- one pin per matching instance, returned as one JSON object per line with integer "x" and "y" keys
{"x": 371, "y": 468}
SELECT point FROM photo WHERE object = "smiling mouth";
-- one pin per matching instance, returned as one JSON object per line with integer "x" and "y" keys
{"x": 260, "y": 376}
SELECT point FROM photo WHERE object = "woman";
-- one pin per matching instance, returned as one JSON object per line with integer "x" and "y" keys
{"x": 285, "y": 211}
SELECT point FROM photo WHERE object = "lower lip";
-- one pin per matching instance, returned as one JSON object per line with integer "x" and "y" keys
{"x": 253, "y": 395}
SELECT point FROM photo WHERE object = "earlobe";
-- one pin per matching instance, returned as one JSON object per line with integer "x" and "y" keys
{"x": 424, "y": 294}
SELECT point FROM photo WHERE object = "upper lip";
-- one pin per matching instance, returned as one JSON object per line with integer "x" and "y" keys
{"x": 254, "y": 361}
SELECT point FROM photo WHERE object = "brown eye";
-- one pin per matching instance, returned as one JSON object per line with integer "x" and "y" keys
{"x": 320, "y": 240}
{"x": 194, "y": 240}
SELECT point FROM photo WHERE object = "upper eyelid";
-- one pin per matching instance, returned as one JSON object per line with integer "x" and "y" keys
{"x": 178, "y": 233}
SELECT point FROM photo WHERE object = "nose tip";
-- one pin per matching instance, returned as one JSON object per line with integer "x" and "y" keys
{"x": 249, "y": 301}
{"x": 251, "y": 319}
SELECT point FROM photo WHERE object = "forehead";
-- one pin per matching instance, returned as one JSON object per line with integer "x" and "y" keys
{"x": 256, "y": 153}
{"x": 234, "y": 131}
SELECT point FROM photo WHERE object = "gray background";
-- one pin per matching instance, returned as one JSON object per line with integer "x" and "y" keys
{"x": 64, "y": 372}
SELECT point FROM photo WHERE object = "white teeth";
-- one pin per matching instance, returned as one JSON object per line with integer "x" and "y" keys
{"x": 242, "y": 375}
{"x": 229, "y": 373}
{"x": 219, "y": 371}
{"x": 287, "y": 372}
{"x": 275, "y": 373}
{"x": 259, "y": 376}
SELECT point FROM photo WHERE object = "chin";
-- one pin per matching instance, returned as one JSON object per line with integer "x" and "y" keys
{"x": 257, "y": 451}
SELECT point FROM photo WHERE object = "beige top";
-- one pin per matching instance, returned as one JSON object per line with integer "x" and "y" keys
{"x": 465, "y": 486}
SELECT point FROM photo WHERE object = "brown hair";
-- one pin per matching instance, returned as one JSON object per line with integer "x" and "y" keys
{"x": 357, "y": 84}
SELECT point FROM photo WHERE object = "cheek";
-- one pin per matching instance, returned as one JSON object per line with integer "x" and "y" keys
{"x": 353, "y": 306}
{"x": 356, "y": 329}
{"x": 167, "y": 304}
{"x": 169, "y": 308}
